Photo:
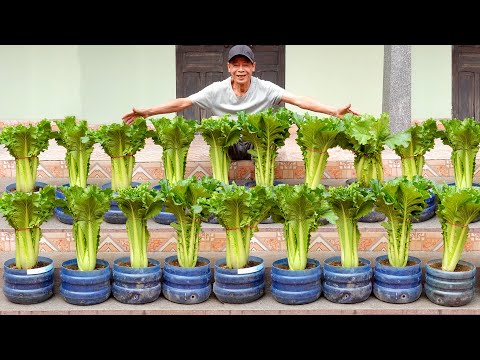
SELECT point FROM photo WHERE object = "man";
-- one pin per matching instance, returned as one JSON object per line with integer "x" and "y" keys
{"x": 241, "y": 91}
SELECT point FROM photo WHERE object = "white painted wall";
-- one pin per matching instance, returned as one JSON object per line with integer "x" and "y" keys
{"x": 39, "y": 81}
{"x": 100, "y": 83}
{"x": 336, "y": 75}
{"x": 431, "y": 81}
{"x": 117, "y": 77}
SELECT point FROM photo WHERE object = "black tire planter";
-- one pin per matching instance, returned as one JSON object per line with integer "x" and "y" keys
{"x": 30, "y": 286}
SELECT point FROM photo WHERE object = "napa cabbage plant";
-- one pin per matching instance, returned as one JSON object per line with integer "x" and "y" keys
{"x": 412, "y": 144}
{"x": 457, "y": 208}
{"x": 220, "y": 133}
{"x": 349, "y": 204}
{"x": 315, "y": 136}
{"x": 401, "y": 200}
{"x": 121, "y": 142}
{"x": 300, "y": 209}
{"x": 239, "y": 210}
{"x": 138, "y": 204}
{"x": 86, "y": 205}
{"x": 266, "y": 131}
{"x": 78, "y": 140}
{"x": 366, "y": 136}
{"x": 25, "y": 143}
{"x": 463, "y": 136}
{"x": 185, "y": 199}
{"x": 174, "y": 136}
{"x": 25, "y": 212}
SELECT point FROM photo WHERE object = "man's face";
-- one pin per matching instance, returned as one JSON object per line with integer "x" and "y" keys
{"x": 241, "y": 69}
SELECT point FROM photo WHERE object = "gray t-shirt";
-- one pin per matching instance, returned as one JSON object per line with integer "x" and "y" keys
{"x": 220, "y": 99}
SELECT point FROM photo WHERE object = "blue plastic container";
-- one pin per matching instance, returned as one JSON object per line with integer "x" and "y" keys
{"x": 397, "y": 285}
{"x": 58, "y": 211}
{"x": 30, "y": 286}
{"x": 239, "y": 286}
{"x": 85, "y": 287}
{"x": 450, "y": 288}
{"x": 347, "y": 285}
{"x": 13, "y": 186}
{"x": 294, "y": 287}
{"x": 187, "y": 285}
{"x": 136, "y": 285}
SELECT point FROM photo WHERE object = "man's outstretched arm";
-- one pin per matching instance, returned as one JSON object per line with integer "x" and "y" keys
{"x": 172, "y": 106}
{"x": 311, "y": 104}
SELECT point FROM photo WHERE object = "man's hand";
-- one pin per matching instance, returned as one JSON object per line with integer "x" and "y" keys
{"x": 130, "y": 117}
{"x": 345, "y": 110}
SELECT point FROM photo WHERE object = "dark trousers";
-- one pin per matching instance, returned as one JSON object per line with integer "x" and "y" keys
{"x": 238, "y": 151}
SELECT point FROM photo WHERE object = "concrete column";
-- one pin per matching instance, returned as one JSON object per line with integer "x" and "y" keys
{"x": 397, "y": 89}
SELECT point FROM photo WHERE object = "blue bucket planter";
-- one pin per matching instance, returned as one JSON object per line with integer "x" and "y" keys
{"x": 85, "y": 287}
{"x": 136, "y": 285}
{"x": 115, "y": 215}
{"x": 13, "y": 187}
{"x": 347, "y": 285}
{"x": 450, "y": 288}
{"x": 30, "y": 286}
{"x": 239, "y": 286}
{"x": 295, "y": 287}
{"x": 397, "y": 285}
{"x": 186, "y": 285}
{"x": 163, "y": 217}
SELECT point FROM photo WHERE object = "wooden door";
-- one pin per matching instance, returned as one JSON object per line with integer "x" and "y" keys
{"x": 200, "y": 65}
{"x": 466, "y": 81}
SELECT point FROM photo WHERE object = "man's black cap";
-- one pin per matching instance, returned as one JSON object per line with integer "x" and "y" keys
{"x": 243, "y": 50}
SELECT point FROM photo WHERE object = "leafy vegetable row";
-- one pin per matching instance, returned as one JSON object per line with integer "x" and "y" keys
{"x": 238, "y": 209}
